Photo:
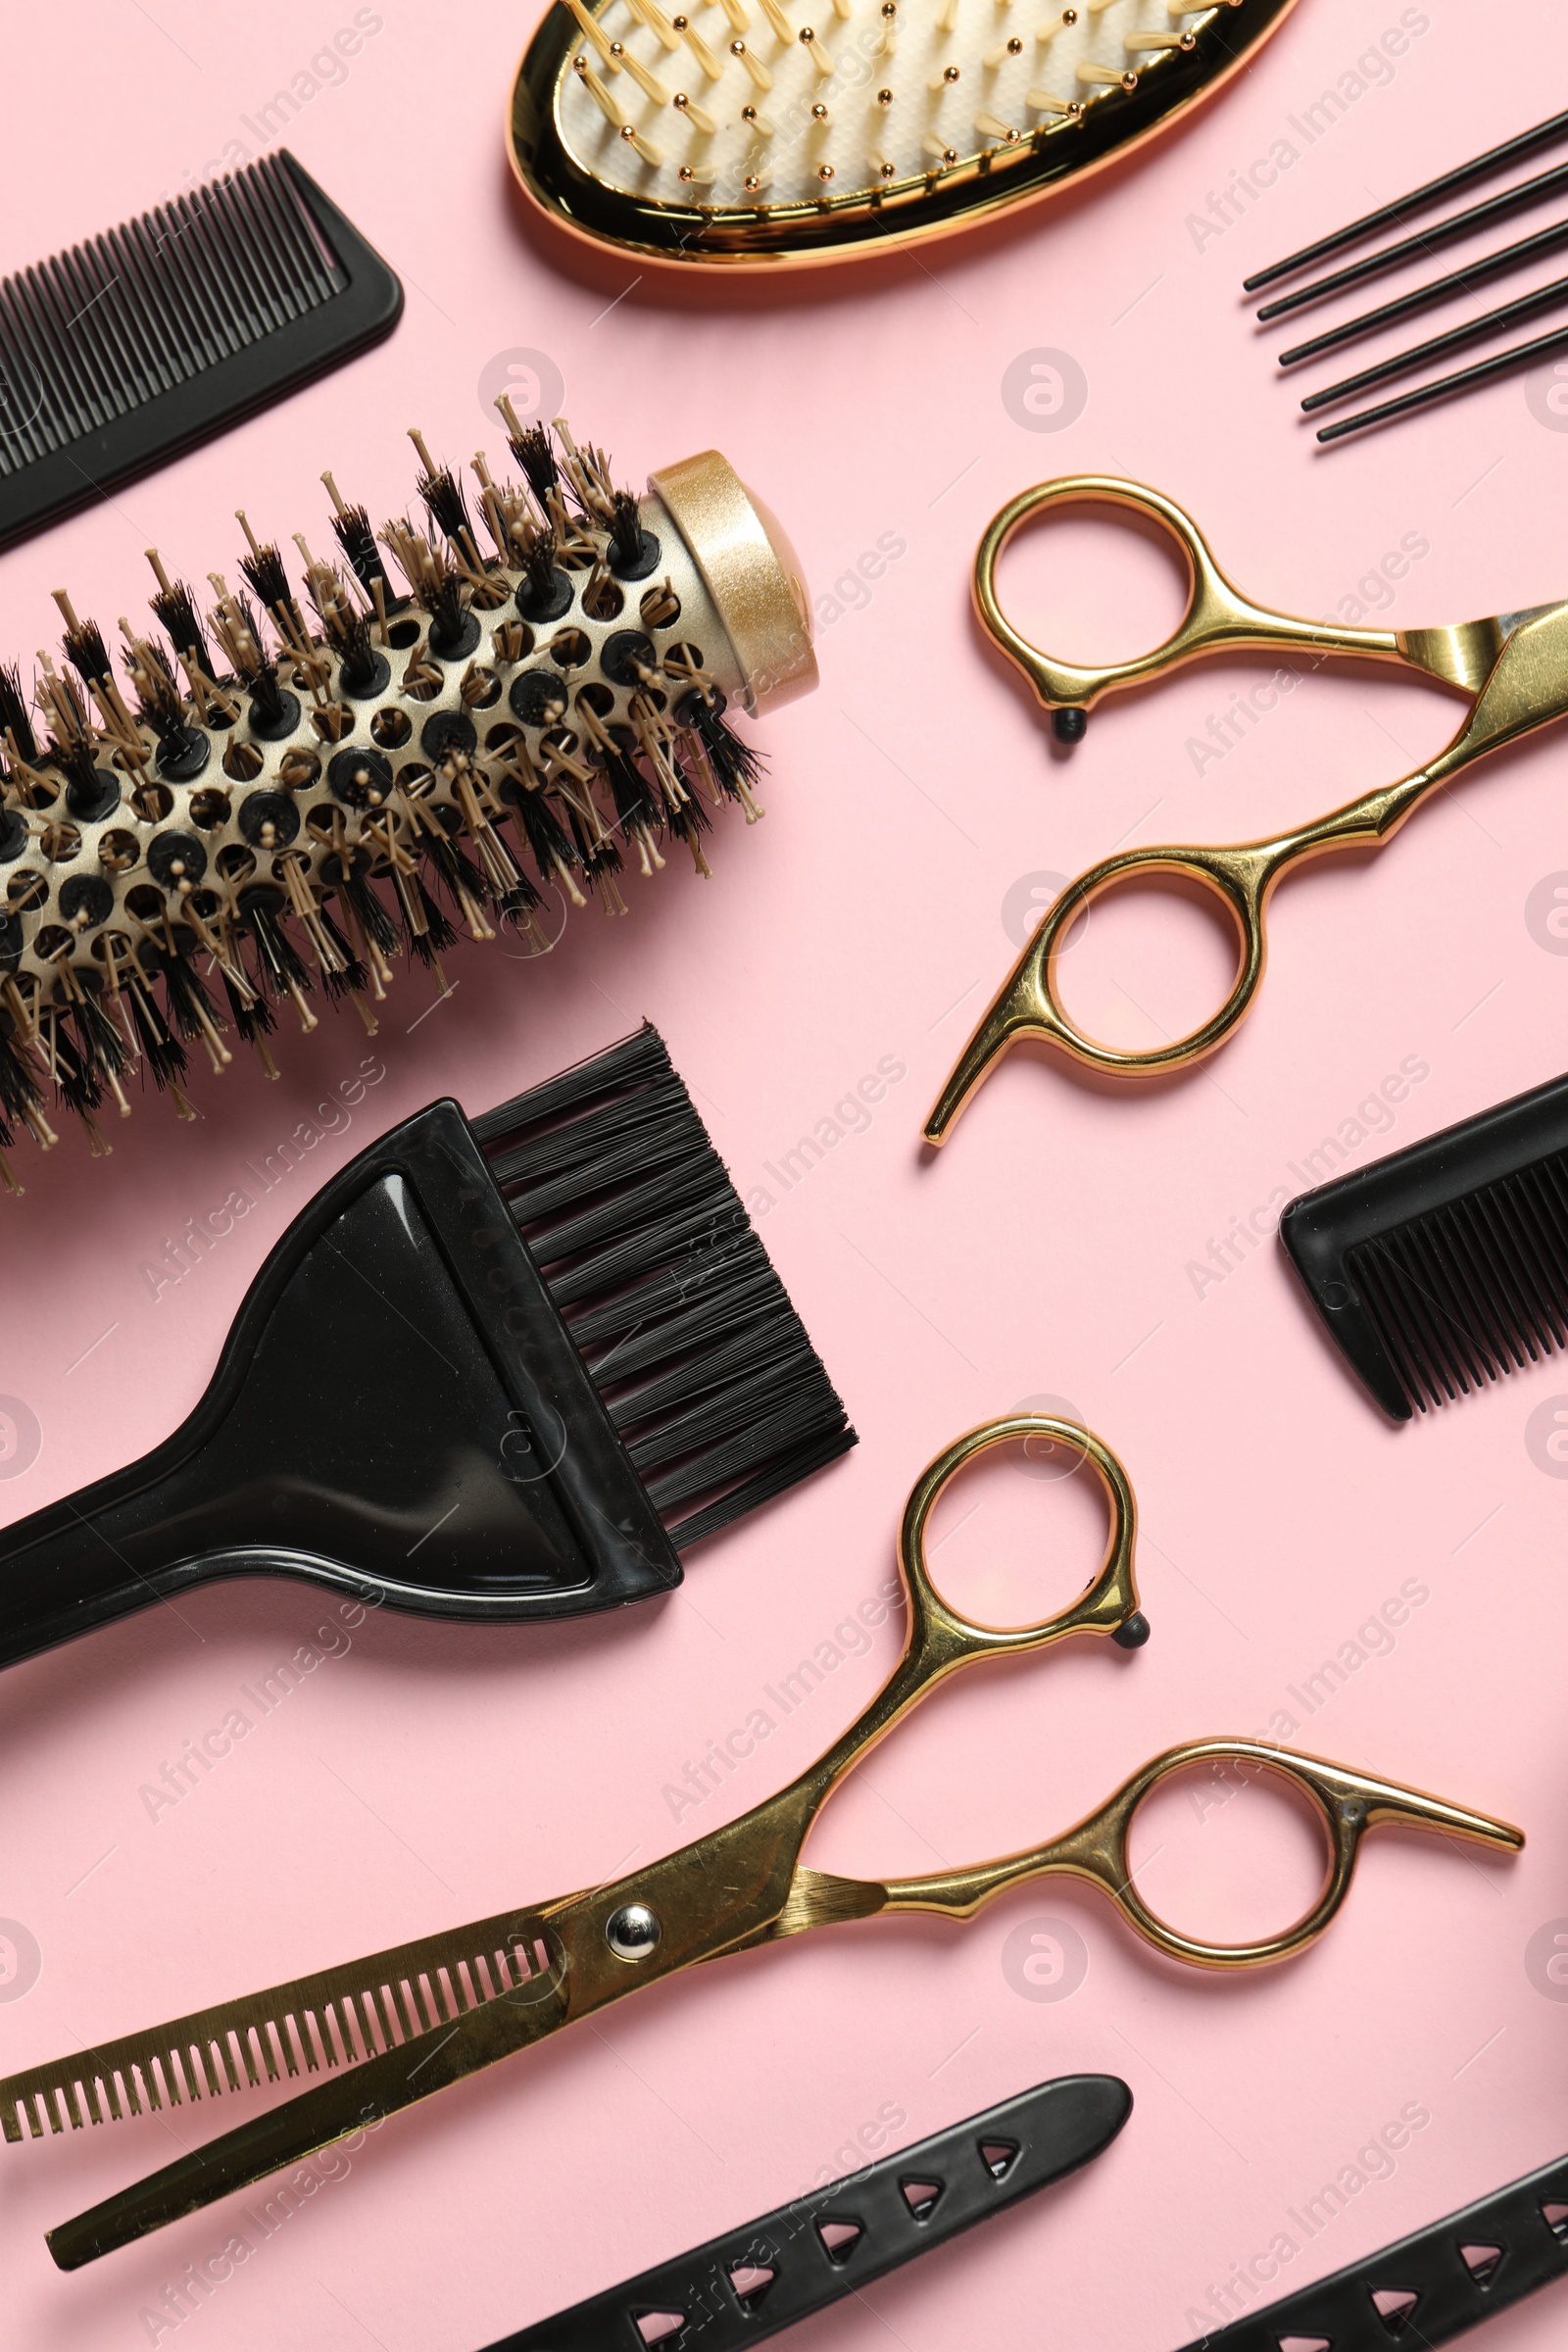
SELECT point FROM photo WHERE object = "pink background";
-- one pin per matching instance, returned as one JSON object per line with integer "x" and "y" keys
{"x": 436, "y": 1773}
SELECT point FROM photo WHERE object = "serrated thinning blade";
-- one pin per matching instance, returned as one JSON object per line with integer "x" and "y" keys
{"x": 340, "y": 2018}
{"x": 353, "y": 2100}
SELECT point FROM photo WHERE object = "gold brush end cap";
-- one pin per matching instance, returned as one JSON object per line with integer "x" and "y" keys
{"x": 750, "y": 572}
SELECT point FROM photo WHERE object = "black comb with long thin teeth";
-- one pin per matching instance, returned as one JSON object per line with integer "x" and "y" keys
{"x": 1445, "y": 1265}
{"x": 133, "y": 345}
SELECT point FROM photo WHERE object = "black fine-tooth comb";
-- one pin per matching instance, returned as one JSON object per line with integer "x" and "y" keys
{"x": 1428, "y": 2288}
{"x": 834, "y": 2241}
{"x": 501, "y": 1369}
{"x": 155, "y": 334}
{"x": 1445, "y": 1265}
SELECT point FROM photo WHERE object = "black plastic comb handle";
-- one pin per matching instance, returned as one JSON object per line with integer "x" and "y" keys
{"x": 789, "y": 2269}
{"x": 1514, "y": 2249}
{"x": 161, "y": 333}
{"x": 1472, "y": 1289}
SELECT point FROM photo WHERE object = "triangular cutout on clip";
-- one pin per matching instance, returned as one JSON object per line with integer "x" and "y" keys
{"x": 1480, "y": 2262}
{"x": 1304, "y": 2343}
{"x": 749, "y": 2284}
{"x": 660, "y": 2327}
{"x": 840, "y": 2235}
{"x": 921, "y": 2198}
{"x": 1394, "y": 2306}
{"x": 1555, "y": 2218}
{"x": 999, "y": 2156}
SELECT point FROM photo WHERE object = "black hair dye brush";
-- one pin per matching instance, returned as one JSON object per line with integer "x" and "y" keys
{"x": 501, "y": 1369}
{"x": 269, "y": 807}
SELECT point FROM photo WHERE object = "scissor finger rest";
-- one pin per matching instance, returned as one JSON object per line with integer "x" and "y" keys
{"x": 1217, "y": 618}
{"x": 1029, "y": 1003}
{"x": 1348, "y": 1805}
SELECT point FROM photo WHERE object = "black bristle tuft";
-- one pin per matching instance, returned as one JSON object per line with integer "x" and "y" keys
{"x": 282, "y": 969}
{"x": 161, "y": 1050}
{"x": 78, "y": 760}
{"x": 447, "y": 604}
{"x": 535, "y": 454}
{"x": 626, "y": 532}
{"x": 358, "y": 542}
{"x": 158, "y": 698}
{"x": 734, "y": 765}
{"x": 266, "y": 573}
{"x": 445, "y": 502}
{"x": 15, "y": 719}
{"x": 550, "y": 845}
{"x": 253, "y": 1017}
{"x": 357, "y": 657}
{"x": 175, "y": 608}
{"x": 87, "y": 653}
{"x": 686, "y": 1329}
{"x": 438, "y": 934}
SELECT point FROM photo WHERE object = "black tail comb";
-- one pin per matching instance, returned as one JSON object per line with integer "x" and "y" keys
{"x": 162, "y": 332}
{"x": 502, "y": 1370}
{"x": 1428, "y": 2288}
{"x": 1445, "y": 1265}
{"x": 833, "y": 2241}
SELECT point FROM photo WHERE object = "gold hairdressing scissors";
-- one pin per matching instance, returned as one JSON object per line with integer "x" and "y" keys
{"x": 1513, "y": 666}
{"x": 390, "y": 2028}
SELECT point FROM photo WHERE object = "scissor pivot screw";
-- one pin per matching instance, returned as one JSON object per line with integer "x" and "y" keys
{"x": 1133, "y": 1632}
{"x": 1069, "y": 724}
{"x": 632, "y": 1931}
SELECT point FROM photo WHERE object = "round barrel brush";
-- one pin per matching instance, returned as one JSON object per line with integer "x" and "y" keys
{"x": 515, "y": 699}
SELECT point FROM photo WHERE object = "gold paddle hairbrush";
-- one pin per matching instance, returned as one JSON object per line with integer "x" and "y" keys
{"x": 749, "y": 133}
{"x": 303, "y": 787}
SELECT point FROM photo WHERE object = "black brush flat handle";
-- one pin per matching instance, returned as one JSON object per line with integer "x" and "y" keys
{"x": 1522, "y": 2250}
{"x": 399, "y": 1414}
{"x": 976, "y": 2168}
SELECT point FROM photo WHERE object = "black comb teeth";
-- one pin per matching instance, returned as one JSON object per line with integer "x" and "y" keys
{"x": 1445, "y": 1266}
{"x": 670, "y": 1298}
{"x": 155, "y": 334}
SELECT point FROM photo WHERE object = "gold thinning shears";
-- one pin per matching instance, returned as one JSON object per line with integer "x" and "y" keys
{"x": 388, "y": 2030}
{"x": 1513, "y": 666}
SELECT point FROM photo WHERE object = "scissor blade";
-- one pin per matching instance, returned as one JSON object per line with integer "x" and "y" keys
{"x": 349, "y": 2102}
{"x": 1465, "y": 655}
{"x": 338, "y": 2017}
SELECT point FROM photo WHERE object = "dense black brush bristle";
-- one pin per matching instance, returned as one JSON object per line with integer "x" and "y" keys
{"x": 686, "y": 1329}
{"x": 358, "y": 542}
{"x": 734, "y": 763}
{"x": 444, "y": 499}
{"x": 14, "y": 715}
{"x": 534, "y": 454}
{"x": 77, "y": 759}
{"x": 158, "y": 699}
{"x": 357, "y": 655}
{"x": 625, "y": 531}
{"x": 265, "y": 571}
{"x": 175, "y": 608}
{"x": 87, "y": 653}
